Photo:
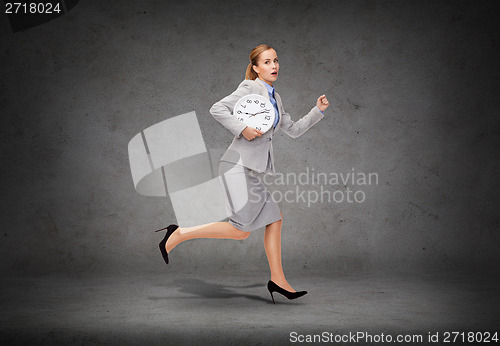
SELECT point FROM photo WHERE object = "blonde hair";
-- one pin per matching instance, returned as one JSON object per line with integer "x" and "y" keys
{"x": 254, "y": 56}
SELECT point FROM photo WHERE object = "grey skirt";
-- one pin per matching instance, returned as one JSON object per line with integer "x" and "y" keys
{"x": 248, "y": 202}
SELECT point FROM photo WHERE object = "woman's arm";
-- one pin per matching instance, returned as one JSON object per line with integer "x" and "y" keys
{"x": 297, "y": 128}
{"x": 222, "y": 110}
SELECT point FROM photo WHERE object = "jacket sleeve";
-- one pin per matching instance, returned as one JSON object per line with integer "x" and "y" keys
{"x": 297, "y": 128}
{"x": 222, "y": 111}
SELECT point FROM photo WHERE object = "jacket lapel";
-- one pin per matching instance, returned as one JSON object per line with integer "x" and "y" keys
{"x": 263, "y": 90}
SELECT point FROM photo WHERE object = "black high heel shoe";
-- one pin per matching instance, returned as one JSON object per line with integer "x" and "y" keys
{"x": 272, "y": 287}
{"x": 170, "y": 229}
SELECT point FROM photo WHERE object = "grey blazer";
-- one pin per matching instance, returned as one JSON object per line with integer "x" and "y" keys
{"x": 254, "y": 154}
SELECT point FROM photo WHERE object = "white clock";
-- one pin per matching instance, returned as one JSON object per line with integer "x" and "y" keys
{"x": 255, "y": 111}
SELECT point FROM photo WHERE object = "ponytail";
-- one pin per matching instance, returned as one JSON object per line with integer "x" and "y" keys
{"x": 251, "y": 74}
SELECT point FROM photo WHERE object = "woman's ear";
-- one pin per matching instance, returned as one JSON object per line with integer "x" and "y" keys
{"x": 255, "y": 68}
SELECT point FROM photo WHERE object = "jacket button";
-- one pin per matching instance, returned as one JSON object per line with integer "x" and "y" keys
{"x": 269, "y": 139}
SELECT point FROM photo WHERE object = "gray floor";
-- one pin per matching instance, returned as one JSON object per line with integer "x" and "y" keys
{"x": 236, "y": 308}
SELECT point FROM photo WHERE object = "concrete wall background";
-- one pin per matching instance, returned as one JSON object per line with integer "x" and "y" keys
{"x": 414, "y": 97}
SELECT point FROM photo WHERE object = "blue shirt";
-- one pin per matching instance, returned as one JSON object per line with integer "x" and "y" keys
{"x": 270, "y": 90}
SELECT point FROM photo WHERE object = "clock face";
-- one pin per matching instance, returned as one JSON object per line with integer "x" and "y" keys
{"x": 255, "y": 111}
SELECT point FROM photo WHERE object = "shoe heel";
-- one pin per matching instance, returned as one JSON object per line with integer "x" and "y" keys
{"x": 162, "y": 229}
{"x": 271, "y": 290}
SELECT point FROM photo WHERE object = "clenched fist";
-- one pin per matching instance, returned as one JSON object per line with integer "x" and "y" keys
{"x": 322, "y": 103}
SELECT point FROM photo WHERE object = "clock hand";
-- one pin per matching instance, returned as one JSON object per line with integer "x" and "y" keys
{"x": 251, "y": 115}
{"x": 264, "y": 111}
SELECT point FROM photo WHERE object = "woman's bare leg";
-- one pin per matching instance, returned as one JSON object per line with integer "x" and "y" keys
{"x": 219, "y": 230}
{"x": 272, "y": 244}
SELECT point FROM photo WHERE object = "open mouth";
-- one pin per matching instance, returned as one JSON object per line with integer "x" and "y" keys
{"x": 274, "y": 73}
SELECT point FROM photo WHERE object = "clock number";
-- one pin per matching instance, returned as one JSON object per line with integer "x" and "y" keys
{"x": 243, "y": 106}
{"x": 268, "y": 117}
{"x": 256, "y": 101}
{"x": 262, "y": 105}
{"x": 249, "y": 101}
{"x": 241, "y": 119}
{"x": 239, "y": 112}
{"x": 257, "y": 128}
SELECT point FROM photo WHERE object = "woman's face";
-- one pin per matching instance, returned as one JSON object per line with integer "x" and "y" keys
{"x": 267, "y": 66}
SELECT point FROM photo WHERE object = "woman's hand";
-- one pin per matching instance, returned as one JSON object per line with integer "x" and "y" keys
{"x": 322, "y": 103}
{"x": 250, "y": 133}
